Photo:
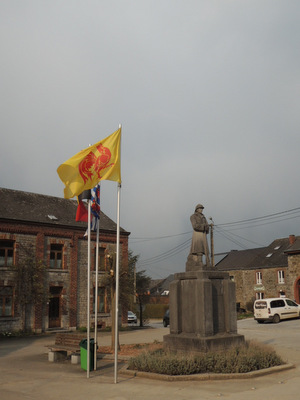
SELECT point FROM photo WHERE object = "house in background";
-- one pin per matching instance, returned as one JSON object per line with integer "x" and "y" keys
{"x": 159, "y": 290}
{"x": 46, "y": 226}
{"x": 271, "y": 271}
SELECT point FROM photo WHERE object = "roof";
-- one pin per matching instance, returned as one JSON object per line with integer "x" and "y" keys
{"x": 238, "y": 259}
{"x": 272, "y": 256}
{"x": 36, "y": 208}
{"x": 295, "y": 247}
{"x": 158, "y": 286}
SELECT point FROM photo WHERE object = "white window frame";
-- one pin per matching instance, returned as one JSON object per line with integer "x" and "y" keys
{"x": 258, "y": 276}
{"x": 280, "y": 275}
{"x": 259, "y": 295}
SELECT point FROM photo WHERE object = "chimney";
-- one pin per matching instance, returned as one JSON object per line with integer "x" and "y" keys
{"x": 292, "y": 239}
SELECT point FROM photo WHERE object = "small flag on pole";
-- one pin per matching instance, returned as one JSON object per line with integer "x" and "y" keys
{"x": 91, "y": 165}
{"x": 82, "y": 212}
{"x": 95, "y": 207}
{"x": 95, "y": 197}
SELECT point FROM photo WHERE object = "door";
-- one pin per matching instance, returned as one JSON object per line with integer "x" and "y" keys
{"x": 54, "y": 307}
{"x": 297, "y": 292}
{"x": 293, "y": 308}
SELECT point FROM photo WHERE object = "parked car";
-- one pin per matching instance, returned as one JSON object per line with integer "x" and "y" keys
{"x": 166, "y": 319}
{"x": 275, "y": 309}
{"x": 131, "y": 318}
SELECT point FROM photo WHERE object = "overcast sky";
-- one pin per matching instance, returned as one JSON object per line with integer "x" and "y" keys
{"x": 208, "y": 96}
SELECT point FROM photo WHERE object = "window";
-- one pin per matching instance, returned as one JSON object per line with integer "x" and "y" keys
{"x": 102, "y": 305}
{"x": 259, "y": 295}
{"x": 6, "y": 253}
{"x": 258, "y": 278}
{"x": 56, "y": 256}
{"x": 277, "y": 303}
{"x": 280, "y": 276}
{"x": 52, "y": 217}
{"x": 291, "y": 303}
{"x": 6, "y": 301}
{"x": 260, "y": 305}
{"x": 101, "y": 258}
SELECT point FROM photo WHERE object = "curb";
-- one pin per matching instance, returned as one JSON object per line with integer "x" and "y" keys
{"x": 104, "y": 356}
{"x": 206, "y": 377}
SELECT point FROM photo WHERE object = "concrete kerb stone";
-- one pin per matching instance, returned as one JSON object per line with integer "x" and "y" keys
{"x": 206, "y": 377}
{"x": 102, "y": 356}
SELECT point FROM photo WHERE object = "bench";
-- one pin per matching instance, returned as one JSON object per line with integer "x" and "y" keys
{"x": 66, "y": 344}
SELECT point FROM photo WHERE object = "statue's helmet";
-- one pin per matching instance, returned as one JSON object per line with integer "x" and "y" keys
{"x": 199, "y": 206}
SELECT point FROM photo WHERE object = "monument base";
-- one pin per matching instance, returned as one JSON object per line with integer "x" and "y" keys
{"x": 202, "y": 312}
{"x": 190, "y": 343}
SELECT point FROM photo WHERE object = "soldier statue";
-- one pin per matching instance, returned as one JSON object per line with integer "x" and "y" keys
{"x": 199, "y": 240}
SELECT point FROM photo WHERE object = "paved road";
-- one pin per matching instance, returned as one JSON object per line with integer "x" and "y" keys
{"x": 25, "y": 373}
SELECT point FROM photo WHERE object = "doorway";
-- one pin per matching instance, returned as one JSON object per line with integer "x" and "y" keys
{"x": 54, "y": 307}
{"x": 297, "y": 290}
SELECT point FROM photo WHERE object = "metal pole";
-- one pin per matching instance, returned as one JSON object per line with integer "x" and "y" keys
{"x": 117, "y": 285}
{"x": 88, "y": 290}
{"x": 96, "y": 296}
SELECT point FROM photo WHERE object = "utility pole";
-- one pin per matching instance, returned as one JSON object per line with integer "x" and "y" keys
{"x": 212, "y": 252}
{"x": 134, "y": 283}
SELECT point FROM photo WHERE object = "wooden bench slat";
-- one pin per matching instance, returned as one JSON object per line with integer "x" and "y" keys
{"x": 67, "y": 342}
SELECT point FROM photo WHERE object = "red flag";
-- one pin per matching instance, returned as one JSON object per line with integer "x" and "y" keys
{"x": 82, "y": 212}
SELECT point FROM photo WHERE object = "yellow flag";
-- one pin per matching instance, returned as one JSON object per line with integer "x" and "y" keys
{"x": 91, "y": 165}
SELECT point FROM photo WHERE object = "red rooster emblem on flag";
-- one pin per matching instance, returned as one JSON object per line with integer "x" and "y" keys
{"x": 93, "y": 164}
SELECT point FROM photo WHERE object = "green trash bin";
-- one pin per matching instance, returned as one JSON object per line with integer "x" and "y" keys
{"x": 83, "y": 353}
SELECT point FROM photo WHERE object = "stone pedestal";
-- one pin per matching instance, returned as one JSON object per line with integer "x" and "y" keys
{"x": 202, "y": 312}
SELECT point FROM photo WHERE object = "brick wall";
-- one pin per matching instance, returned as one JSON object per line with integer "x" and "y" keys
{"x": 72, "y": 278}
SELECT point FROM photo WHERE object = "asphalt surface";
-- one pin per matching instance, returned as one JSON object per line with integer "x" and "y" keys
{"x": 25, "y": 372}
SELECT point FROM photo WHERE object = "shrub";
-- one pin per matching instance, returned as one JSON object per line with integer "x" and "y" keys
{"x": 249, "y": 305}
{"x": 156, "y": 310}
{"x": 243, "y": 358}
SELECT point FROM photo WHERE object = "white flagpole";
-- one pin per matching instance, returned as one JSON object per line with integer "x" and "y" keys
{"x": 117, "y": 282}
{"x": 88, "y": 290}
{"x": 96, "y": 296}
{"x": 117, "y": 285}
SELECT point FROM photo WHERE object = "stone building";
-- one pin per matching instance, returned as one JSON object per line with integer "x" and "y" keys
{"x": 271, "y": 271}
{"x": 45, "y": 227}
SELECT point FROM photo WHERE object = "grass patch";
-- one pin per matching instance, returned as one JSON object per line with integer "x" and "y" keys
{"x": 244, "y": 358}
{"x": 17, "y": 334}
{"x": 245, "y": 315}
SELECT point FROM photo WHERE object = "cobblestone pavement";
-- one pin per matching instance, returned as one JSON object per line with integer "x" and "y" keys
{"x": 25, "y": 372}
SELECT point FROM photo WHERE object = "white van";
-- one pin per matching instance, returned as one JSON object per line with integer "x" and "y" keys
{"x": 275, "y": 309}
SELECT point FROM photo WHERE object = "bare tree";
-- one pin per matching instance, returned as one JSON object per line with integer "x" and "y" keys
{"x": 142, "y": 291}
{"x": 30, "y": 276}
{"x": 126, "y": 287}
